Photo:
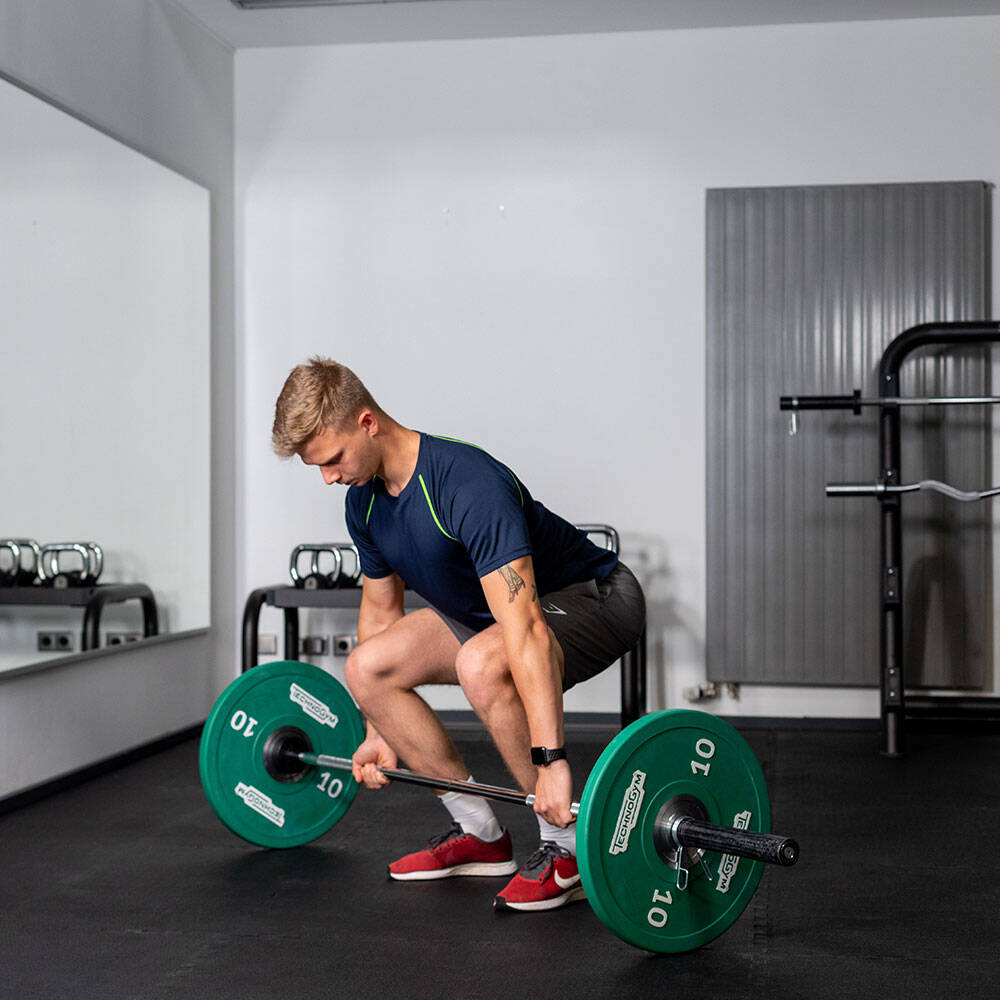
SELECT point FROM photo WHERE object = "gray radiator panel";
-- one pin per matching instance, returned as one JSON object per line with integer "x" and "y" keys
{"x": 805, "y": 288}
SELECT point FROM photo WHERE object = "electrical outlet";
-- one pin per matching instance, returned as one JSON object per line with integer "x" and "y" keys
{"x": 314, "y": 645}
{"x": 343, "y": 644}
{"x": 267, "y": 644}
{"x": 121, "y": 638}
{"x": 56, "y": 642}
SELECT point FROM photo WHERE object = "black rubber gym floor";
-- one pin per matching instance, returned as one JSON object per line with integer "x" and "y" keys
{"x": 128, "y": 886}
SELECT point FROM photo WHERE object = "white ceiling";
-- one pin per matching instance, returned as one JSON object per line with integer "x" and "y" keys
{"x": 442, "y": 19}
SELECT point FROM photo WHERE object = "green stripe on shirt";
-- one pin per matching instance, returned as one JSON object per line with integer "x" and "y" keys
{"x": 427, "y": 496}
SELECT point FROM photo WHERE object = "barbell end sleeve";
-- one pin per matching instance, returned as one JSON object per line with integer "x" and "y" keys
{"x": 853, "y": 402}
{"x": 770, "y": 848}
{"x": 322, "y": 760}
{"x": 854, "y": 489}
{"x": 788, "y": 853}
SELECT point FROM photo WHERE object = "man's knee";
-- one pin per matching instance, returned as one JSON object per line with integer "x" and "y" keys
{"x": 367, "y": 668}
{"x": 483, "y": 672}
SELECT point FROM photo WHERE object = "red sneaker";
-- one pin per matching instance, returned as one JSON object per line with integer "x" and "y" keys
{"x": 548, "y": 879}
{"x": 457, "y": 853}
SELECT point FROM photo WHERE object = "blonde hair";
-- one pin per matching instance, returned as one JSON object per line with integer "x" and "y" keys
{"x": 319, "y": 394}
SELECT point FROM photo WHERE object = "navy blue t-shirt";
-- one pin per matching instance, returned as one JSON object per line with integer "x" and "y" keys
{"x": 461, "y": 516}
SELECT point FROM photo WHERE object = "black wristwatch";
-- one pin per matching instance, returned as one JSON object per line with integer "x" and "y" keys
{"x": 543, "y": 756}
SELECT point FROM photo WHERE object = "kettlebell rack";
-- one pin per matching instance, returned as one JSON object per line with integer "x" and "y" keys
{"x": 888, "y": 490}
{"x": 93, "y": 599}
{"x": 44, "y": 581}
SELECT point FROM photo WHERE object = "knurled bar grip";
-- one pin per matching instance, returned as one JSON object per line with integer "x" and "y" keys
{"x": 766, "y": 847}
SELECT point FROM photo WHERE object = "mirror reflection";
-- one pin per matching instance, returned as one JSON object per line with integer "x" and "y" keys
{"x": 104, "y": 384}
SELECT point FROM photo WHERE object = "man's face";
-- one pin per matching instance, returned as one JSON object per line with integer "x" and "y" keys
{"x": 346, "y": 457}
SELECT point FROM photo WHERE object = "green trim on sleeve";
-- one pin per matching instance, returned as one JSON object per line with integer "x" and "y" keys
{"x": 518, "y": 485}
{"x": 370, "y": 505}
{"x": 427, "y": 496}
{"x": 441, "y": 437}
{"x": 469, "y": 444}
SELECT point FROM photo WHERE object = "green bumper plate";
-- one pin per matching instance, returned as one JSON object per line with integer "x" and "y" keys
{"x": 629, "y": 885}
{"x": 254, "y": 805}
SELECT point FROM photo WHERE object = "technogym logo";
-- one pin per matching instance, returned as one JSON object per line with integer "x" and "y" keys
{"x": 261, "y": 803}
{"x": 729, "y": 863}
{"x": 629, "y": 814}
{"x": 313, "y": 707}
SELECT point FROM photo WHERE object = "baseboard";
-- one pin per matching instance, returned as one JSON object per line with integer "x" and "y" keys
{"x": 42, "y": 791}
{"x": 805, "y": 724}
{"x": 467, "y": 724}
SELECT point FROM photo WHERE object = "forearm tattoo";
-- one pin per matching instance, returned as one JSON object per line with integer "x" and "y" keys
{"x": 513, "y": 580}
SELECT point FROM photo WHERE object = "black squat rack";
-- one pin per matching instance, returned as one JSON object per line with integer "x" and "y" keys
{"x": 888, "y": 491}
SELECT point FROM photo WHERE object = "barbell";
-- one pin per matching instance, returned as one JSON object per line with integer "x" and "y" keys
{"x": 672, "y": 827}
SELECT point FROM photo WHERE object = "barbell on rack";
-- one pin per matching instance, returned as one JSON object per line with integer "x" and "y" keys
{"x": 856, "y": 401}
{"x": 882, "y": 489}
{"x": 672, "y": 827}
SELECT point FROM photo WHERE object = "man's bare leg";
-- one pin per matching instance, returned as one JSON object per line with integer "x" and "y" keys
{"x": 382, "y": 673}
{"x": 421, "y": 649}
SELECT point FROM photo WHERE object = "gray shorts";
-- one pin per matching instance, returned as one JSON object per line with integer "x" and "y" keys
{"x": 596, "y": 623}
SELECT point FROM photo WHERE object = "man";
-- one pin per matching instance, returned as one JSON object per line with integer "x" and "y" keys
{"x": 522, "y": 606}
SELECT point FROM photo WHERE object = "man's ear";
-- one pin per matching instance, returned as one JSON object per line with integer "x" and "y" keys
{"x": 368, "y": 422}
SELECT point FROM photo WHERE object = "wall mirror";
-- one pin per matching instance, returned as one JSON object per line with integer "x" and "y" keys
{"x": 104, "y": 371}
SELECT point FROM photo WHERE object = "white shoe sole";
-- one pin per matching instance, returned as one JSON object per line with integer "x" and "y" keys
{"x": 543, "y": 904}
{"x": 480, "y": 868}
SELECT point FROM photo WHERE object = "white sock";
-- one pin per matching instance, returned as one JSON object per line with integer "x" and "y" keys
{"x": 474, "y": 813}
{"x": 565, "y": 837}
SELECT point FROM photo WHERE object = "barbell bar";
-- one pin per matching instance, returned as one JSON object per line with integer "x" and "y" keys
{"x": 856, "y": 401}
{"x": 673, "y": 827}
{"x": 881, "y": 489}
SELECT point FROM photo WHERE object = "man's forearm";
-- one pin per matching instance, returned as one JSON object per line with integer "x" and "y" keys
{"x": 534, "y": 667}
{"x": 371, "y": 623}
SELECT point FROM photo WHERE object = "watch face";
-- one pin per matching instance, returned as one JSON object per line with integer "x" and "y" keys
{"x": 543, "y": 755}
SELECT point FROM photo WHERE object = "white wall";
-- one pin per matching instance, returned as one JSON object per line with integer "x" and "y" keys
{"x": 145, "y": 73}
{"x": 505, "y": 238}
